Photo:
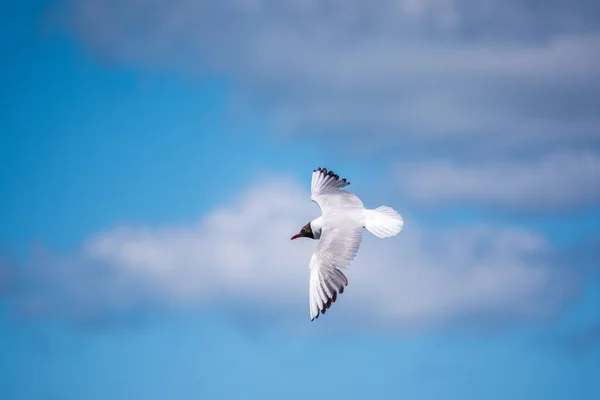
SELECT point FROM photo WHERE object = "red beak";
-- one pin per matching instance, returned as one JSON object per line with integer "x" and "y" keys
{"x": 296, "y": 236}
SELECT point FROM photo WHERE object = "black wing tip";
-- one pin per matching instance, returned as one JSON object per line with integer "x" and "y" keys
{"x": 332, "y": 174}
{"x": 327, "y": 305}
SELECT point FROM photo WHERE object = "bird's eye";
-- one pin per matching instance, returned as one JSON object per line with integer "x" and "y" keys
{"x": 303, "y": 230}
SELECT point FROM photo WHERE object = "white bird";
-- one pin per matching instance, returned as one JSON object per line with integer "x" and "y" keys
{"x": 339, "y": 228}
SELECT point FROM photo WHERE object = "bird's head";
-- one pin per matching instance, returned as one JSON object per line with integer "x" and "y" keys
{"x": 306, "y": 231}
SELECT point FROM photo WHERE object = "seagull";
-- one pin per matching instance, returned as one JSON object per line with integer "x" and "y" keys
{"x": 339, "y": 231}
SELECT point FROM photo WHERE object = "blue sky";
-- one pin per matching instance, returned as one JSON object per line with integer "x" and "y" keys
{"x": 156, "y": 159}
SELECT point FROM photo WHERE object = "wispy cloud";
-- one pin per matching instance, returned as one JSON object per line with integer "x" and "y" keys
{"x": 480, "y": 84}
{"x": 241, "y": 255}
{"x": 485, "y": 73}
{"x": 549, "y": 183}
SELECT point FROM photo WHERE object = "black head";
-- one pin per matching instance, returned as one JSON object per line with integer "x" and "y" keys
{"x": 306, "y": 231}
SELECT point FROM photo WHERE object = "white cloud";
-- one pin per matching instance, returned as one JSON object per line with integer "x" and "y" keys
{"x": 242, "y": 255}
{"x": 244, "y": 250}
{"x": 477, "y": 80}
{"x": 487, "y": 73}
{"x": 557, "y": 181}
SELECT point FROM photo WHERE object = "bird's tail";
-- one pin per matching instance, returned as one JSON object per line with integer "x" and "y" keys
{"x": 383, "y": 222}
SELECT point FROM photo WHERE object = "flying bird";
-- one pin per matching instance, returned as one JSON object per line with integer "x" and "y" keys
{"x": 339, "y": 231}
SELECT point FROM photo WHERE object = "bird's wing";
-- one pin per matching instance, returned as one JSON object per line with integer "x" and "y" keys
{"x": 337, "y": 248}
{"x": 326, "y": 191}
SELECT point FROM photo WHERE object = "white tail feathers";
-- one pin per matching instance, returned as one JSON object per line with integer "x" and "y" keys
{"x": 383, "y": 222}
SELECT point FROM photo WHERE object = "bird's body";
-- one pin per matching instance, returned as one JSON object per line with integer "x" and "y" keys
{"x": 339, "y": 231}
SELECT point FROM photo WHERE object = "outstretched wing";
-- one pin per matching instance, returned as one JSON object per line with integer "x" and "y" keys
{"x": 326, "y": 191}
{"x": 337, "y": 249}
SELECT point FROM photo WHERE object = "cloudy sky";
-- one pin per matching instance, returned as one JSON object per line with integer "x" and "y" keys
{"x": 156, "y": 158}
